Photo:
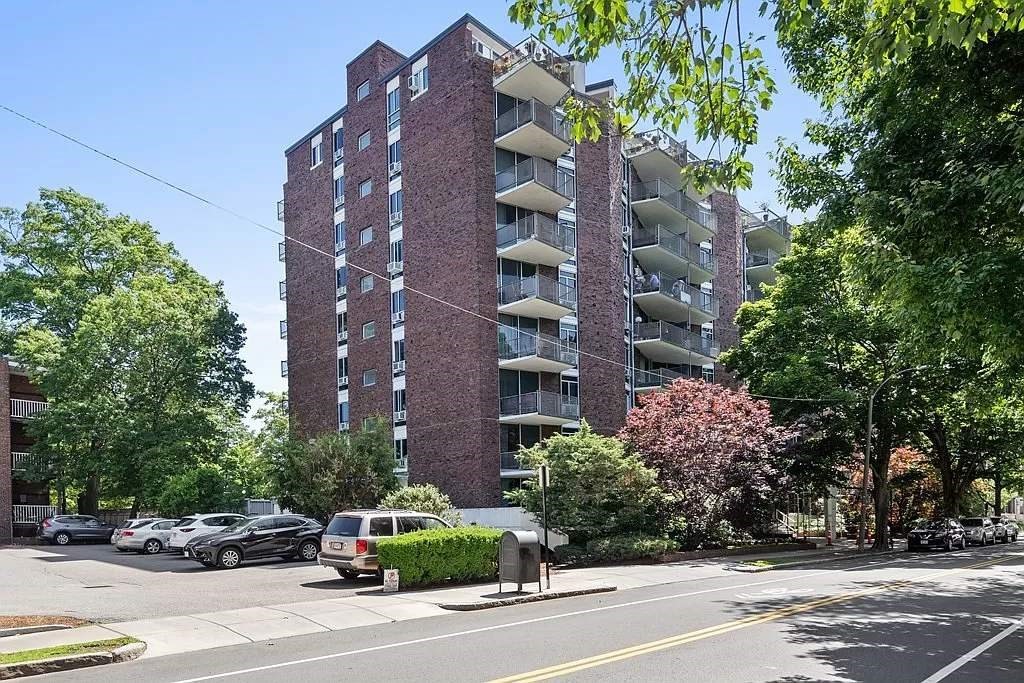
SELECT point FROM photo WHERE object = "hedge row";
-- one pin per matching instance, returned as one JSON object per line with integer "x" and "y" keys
{"x": 462, "y": 554}
{"x": 615, "y": 549}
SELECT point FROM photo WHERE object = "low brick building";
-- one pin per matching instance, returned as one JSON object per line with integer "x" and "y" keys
{"x": 22, "y": 502}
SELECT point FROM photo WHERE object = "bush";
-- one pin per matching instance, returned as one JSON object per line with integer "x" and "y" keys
{"x": 615, "y": 549}
{"x": 425, "y": 498}
{"x": 462, "y": 554}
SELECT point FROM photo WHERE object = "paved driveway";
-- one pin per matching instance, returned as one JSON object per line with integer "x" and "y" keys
{"x": 97, "y": 582}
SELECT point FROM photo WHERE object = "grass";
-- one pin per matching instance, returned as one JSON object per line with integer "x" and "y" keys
{"x": 64, "y": 650}
{"x": 18, "y": 621}
{"x": 765, "y": 563}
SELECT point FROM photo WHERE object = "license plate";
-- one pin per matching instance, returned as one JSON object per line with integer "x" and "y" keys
{"x": 337, "y": 545}
{"x": 188, "y": 553}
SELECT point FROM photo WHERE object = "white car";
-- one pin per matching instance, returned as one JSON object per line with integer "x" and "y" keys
{"x": 127, "y": 524}
{"x": 147, "y": 536}
{"x": 199, "y": 525}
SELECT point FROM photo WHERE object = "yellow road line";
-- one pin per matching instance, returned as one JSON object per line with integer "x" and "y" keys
{"x": 726, "y": 627}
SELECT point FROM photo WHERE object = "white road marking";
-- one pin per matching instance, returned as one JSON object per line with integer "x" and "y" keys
{"x": 536, "y": 620}
{"x": 953, "y": 666}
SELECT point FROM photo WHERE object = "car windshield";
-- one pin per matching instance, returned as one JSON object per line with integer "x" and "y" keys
{"x": 933, "y": 525}
{"x": 240, "y": 524}
{"x": 974, "y": 521}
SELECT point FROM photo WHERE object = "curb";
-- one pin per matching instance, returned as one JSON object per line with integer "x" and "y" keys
{"x": 24, "y": 630}
{"x": 124, "y": 653}
{"x": 522, "y": 599}
{"x": 821, "y": 560}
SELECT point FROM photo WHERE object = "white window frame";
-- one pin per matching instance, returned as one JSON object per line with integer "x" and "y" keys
{"x": 372, "y": 327}
{"x": 316, "y": 151}
{"x": 394, "y": 115}
{"x": 370, "y": 373}
{"x": 366, "y": 188}
{"x": 366, "y": 283}
{"x": 363, "y": 141}
{"x": 366, "y": 235}
{"x": 363, "y": 90}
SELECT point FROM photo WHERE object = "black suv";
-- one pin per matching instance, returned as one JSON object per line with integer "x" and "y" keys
{"x": 286, "y": 536}
{"x": 938, "y": 533}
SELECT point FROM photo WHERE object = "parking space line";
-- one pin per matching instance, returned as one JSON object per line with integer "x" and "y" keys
{"x": 960, "y": 661}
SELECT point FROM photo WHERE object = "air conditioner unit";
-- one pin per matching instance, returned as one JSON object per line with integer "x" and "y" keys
{"x": 342, "y": 292}
{"x": 343, "y": 336}
{"x": 415, "y": 84}
{"x": 339, "y": 201}
{"x": 396, "y": 267}
{"x": 339, "y": 154}
{"x": 399, "y": 416}
{"x": 394, "y": 168}
{"x": 396, "y": 218}
{"x": 342, "y": 382}
{"x": 398, "y": 366}
{"x": 339, "y": 248}
{"x": 398, "y": 317}
{"x": 343, "y": 426}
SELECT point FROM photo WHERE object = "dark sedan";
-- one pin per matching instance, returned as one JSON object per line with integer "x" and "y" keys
{"x": 938, "y": 533}
{"x": 285, "y": 536}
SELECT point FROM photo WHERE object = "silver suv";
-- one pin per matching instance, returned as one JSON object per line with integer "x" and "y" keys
{"x": 349, "y": 544}
{"x": 980, "y": 530}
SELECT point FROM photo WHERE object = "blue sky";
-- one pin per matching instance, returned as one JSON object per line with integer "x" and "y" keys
{"x": 208, "y": 95}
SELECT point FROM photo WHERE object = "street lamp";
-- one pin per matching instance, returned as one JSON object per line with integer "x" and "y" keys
{"x": 862, "y": 531}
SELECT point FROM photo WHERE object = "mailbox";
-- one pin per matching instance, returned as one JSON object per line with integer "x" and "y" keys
{"x": 519, "y": 558}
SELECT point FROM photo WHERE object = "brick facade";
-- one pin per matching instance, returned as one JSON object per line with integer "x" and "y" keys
{"x": 6, "y": 483}
{"x": 728, "y": 285}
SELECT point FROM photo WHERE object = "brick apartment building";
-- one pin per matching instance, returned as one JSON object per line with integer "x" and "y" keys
{"x": 577, "y": 275}
{"x": 22, "y": 502}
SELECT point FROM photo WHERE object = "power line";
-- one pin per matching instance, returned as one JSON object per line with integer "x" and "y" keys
{"x": 178, "y": 188}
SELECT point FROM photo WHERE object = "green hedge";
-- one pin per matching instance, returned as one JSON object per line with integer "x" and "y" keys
{"x": 462, "y": 554}
{"x": 615, "y": 549}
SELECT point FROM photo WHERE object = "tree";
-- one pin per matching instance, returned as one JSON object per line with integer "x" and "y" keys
{"x": 596, "y": 488}
{"x": 137, "y": 353}
{"x": 203, "y": 488}
{"x": 915, "y": 489}
{"x": 425, "y": 498}
{"x": 338, "y": 471}
{"x": 712, "y": 448}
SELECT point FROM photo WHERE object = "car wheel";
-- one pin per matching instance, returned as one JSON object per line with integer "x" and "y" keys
{"x": 229, "y": 558}
{"x": 308, "y": 551}
{"x": 152, "y": 546}
{"x": 62, "y": 538}
{"x": 347, "y": 574}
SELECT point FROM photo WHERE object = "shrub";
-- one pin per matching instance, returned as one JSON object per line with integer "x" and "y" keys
{"x": 462, "y": 554}
{"x": 571, "y": 554}
{"x": 615, "y": 549}
{"x": 425, "y": 498}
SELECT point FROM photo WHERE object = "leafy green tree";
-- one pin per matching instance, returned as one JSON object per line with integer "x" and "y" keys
{"x": 204, "y": 488}
{"x": 597, "y": 489}
{"x": 338, "y": 471}
{"x": 425, "y": 498}
{"x": 137, "y": 353}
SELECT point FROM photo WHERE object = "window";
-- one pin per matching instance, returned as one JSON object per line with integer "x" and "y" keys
{"x": 343, "y": 367}
{"x": 365, "y": 187}
{"x": 341, "y": 275}
{"x": 339, "y": 191}
{"x": 394, "y": 113}
{"x": 567, "y": 332}
{"x": 343, "y": 323}
{"x": 565, "y": 181}
{"x": 567, "y": 279}
{"x": 395, "y": 203}
{"x": 708, "y": 374}
{"x": 482, "y": 50}
{"x": 570, "y": 388}
{"x": 419, "y": 82}
{"x": 284, "y": 368}
{"x": 365, "y": 283}
{"x": 339, "y": 146}
{"x": 339, "y": 238}
{"x": 382, "y": 526}
{"x": 399, "y": 350}
{"x": 343, "y": 413}
{"x": 398, "y": 399}
{"x": 363, "y": 90}
{"x": 407, "y": 524}
{"x": 316, "y": 153}
{"x": 395, "y": 158}
{"x": 398, "y": 301}
{"x": 282, "y": 328}
{"x": 366, "y": 236}
{"x": 369, "y": 378}
{"x": 369, "y": 330}
{"x": 282, "y": 290}
{"x": 401, "y": 450}
{"x": 363, "y": 141}
{"x": 396, "y": 251}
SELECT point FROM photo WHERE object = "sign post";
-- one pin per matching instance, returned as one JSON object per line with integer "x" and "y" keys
{"x": 390, "y": 581}
{"x": 544, "y": 521}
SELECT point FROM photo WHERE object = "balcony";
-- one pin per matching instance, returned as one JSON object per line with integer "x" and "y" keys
{"x": 533, "y": 70}
{"x": 280, "y": 251}
{"x": 19, "y": 460}
{"x": 534, "y": 129}
{"x": 280, "y": 210}
{"x": 766, "y": 230}
{"x": 533, "y": 184}
{"x": 537, "y": 297}
{"x": 656, "y": 154}
{"x": 533, "y": 351}
{"x": 537, "y": 239}
{"x": 671, "y": 299}
{"x": 761, "y": 266}
{"x": 658, "y": 201}
{"x": 23, "y": 409}
{"x": 538, "y": 408}
{"x": 511, "y": 465}
{"x": 664, "y": 342}
{"x": 652, "y": 380}
{"x": 401, "y": 464}
{"x": 660, "y": 249}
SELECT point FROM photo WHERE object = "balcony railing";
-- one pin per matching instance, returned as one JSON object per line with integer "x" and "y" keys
{"x": 540, "y": 171}
{"x": 676, "y": 244}
{"x": 510, "y": 461}
{"x": 24, "y": 409}
{"x": 513, "y": 343}
{"x": 660, "y": 189}
{"x": 401, "y": 464}
{"x": 651, "y": 140}
{"x": 653, "y": 379}
{"x": 542, "y": 403}
{"x": 762, "y": 257}
{"x": 280, "y": 210}
{"x": 532, "y": 50}
{"x": 674, "y": 334}
{"x": 19, "y": 459}
{"x": 677, "y": 289}
{"x": 538, "y": 227}
{"x": 280, "y": 251}
{"x": 767, "y": 219}
{"x": 535, "y": 112}
{"x": 540, "y": 287}
{"x": 30, "y": 514}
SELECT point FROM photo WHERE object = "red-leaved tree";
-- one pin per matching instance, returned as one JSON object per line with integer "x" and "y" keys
{"x": 713, "y": 449}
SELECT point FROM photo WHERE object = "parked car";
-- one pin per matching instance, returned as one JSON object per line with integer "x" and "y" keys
{"x": 286, "y": 536}
{"x": 350, "y": 540}
{"x": 938, "y": 533}
{"x": 1006, "y": 530}
{"x": 148, "y": 536}
{"x": 64, "y": 529}
{"x": 980, "y": 530}
{"x": 127, "y": 524}
{"x": 198, "y": 525}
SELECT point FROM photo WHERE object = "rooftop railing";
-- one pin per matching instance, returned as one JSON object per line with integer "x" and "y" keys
{"x": 651, "y": 140}
{"x": 533, "y": 50}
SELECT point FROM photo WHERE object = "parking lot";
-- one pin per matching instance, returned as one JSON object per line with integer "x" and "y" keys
{"x": 98, "y": 583}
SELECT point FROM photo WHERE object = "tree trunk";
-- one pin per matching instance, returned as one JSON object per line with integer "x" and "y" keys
{"x": 62, "y": 499}
{"x": 90, "y": 500}
{"x": 135, "y": 508}
{"x": 998, "y": 481}
{"x": 881, "y": 495}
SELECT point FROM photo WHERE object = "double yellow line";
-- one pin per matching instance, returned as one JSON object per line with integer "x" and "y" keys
{"x": 701, "y": 634}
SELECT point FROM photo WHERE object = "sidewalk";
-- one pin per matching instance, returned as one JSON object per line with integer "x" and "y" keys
{"x": 170, "y": 635}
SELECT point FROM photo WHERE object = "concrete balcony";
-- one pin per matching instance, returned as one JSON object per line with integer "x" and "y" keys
{"x": 664, "y": 342}
{"x": 537, "y": 239}
{"x": 511, "y": 466}
{"x": 533, "y": 351}
{"x": 656, "y": 154}
{"x": 533, "y": 184}
{"x": 532, "y": 70}
{"x": 660, "y": 249}
{"x": 651, "y": 380}
{"x": 538, "y": 408}
{"x": 766, "y": 230}
{"x": 23, "y": 409}
{"x": 660, "y": 202}
{"x": 19, "y": 459}
{"x": 537, "y": 297}
{"x": 534, "y": 129}
{"x": 670, "y": 299}
{"x": 761, "y": 266}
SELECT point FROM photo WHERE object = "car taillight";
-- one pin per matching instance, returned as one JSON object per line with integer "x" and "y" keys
{"x": 46, "y": 523}
{"x": 127, "y": 533}
{"x": 360, "y": 546}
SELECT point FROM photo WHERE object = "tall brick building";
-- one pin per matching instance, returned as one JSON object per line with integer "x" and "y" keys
{"x": 22, "y": 502}
{"x": 492, "y": 282}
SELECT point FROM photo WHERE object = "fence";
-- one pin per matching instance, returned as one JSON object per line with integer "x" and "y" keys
{"x": 31, "y": 514}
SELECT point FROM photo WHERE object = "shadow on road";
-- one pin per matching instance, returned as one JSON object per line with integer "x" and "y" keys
{"x": 164, "y": 562}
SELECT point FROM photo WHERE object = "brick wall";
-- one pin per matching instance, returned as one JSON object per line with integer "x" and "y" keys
{"x": 599, "y": 279}
{"x": 728, "y": 285}
{"x": 6, "y": 530}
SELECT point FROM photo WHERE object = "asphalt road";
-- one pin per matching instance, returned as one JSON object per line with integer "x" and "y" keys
{"x": 98, "y": 583}
{"x": 892, "y": 619}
